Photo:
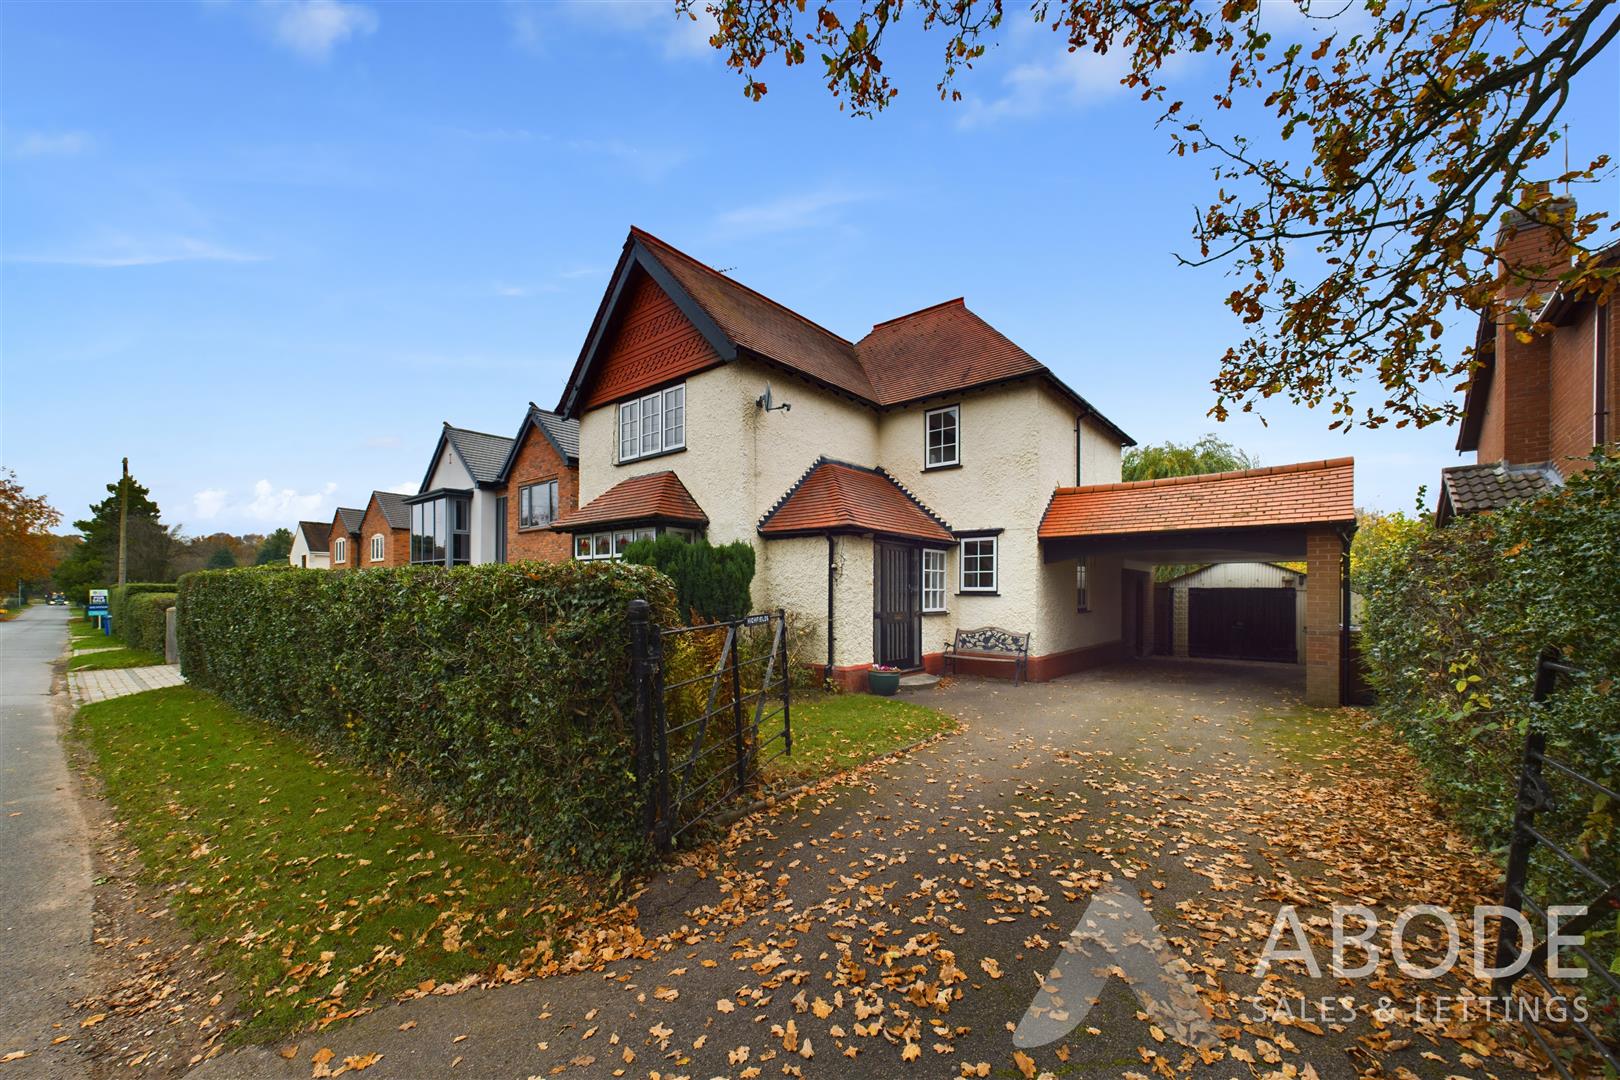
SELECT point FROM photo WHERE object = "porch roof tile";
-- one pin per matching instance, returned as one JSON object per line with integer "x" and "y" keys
{"x": 1306, "y": 493}
{"x": 835, "y": 496}
{"x": 658, "y": 496}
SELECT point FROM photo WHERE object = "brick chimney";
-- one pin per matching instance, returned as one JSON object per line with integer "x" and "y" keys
{"x": 1533, "y": 250}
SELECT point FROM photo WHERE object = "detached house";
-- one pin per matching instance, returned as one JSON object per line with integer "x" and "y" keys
{"x": 309, "y": 546}
{"x": 456, "y": 516}
{"x": 1534, "y": 411}
{"x": 385, "y": 530}
{"x": 343, "y": 538}
{"x": 929, "y": 476}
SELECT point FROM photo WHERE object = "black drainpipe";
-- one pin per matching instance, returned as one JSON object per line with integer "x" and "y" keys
{"x": 830, "y": 567}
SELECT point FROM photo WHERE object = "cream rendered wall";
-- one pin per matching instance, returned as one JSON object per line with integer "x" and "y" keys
{"x": 449, "y": 472}
{"x": 799, "y": 585}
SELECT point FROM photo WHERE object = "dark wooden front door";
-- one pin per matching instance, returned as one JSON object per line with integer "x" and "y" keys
{"x": 896, "y": 607}
{"x": 1241, "y": 624}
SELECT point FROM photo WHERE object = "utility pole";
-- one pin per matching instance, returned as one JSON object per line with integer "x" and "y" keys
{"x": 123, "y": 522}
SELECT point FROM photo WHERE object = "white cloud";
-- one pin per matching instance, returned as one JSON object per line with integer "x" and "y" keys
{"x": 803, "y": 210}
{"x": 1072, "y": 79}
{"x": 208, "y": 502}
{"x": 120, "y": 251}
{"x": 270, "y": 503}
{"x": 313, "y": 28}
{"x": 676, "y": 34}
{"x": 51, "y": 144}
{"x": 406, "y": 487}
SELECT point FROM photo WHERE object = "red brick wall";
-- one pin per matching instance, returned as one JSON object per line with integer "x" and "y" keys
{"x": 653, "y": 344}
{"x": 396, "y": 542}
{"x": 350, "y": 555}
{"x": 1323, "y": 612}
{"x": 1569, "y": 402}
{"x": 538, "y": 460}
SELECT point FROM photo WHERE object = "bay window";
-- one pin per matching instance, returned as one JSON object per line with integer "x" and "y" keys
{"x": 441, "y": 530}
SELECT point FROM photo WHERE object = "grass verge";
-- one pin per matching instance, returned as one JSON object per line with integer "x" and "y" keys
{"x": 122, "y": 657}
{"x": 317, "y": 886}
{"x": 835, "y": 732}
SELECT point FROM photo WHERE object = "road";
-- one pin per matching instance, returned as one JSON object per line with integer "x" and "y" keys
{"x": 44, "y": 856}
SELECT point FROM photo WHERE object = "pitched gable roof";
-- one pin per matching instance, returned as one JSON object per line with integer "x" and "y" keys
{"x": 483, "y": 454}
{"x": 651, "y": 497}
{"x": 1308, "y": 493}
{"x": 1471, "y": 489}
{"x": 944, "y": 349}
{"x": 562, "y": 434}
{"x": 835, "y": 496}
{"x": 350, "y": 517}
{"x": 395, "y": 510}
{"x": 316, "y": 534}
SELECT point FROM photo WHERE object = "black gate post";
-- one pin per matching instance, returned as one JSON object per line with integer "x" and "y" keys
{"x": 787, "y": 686}
{"x": 1518, "y": 864}
{"x": 741, "y": 747}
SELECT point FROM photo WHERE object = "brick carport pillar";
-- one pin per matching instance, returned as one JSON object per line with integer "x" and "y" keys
{"x": 1324, "y": 605}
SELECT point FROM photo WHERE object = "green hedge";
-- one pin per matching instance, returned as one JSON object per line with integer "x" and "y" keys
{"x": 502, "y": 689}
{"x": 712, "y": 581}
{"x": 144, "y": 625}
{"x": 1454, "y": 621}
{"x": 118, "y": 597}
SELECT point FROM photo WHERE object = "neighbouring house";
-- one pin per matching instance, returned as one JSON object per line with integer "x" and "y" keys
{"x": 1232, "y": 611}
{"x": 385, "y": 530}
{"x": 456, "y": 516}
{"x": 539, "y": 481}
{"x": 343, "y": 538}
{"x": 929, "y": 476}
{"x": 309, "y": 546}
{"x": 1534, "y": 410}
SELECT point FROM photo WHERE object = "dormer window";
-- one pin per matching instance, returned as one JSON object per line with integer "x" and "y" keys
{"x": 653, "y": 424}
{"x": 942, "y": 442}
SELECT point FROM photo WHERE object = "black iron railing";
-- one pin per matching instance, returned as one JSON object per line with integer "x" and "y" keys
{"x": 706, "y": 729}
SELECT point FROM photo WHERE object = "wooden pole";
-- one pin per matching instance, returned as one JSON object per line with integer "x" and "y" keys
{"x": 123, "y": 523}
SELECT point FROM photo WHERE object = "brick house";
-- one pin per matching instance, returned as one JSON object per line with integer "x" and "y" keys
{"x": 1534, "y": 411}
{"x": 539, "y": 482}
{"x": 343, "y": 539}
{"x": 310, "y": 545}
{"x": 929, "y": 476}
{"x": 385, "y": 530}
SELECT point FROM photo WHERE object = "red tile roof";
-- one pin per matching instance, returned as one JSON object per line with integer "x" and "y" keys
{"x": 658, "y": 496}
{"x": 1309, "y": 493}
{"x": 837, "y": 497}
{"x": 938, "y": 350}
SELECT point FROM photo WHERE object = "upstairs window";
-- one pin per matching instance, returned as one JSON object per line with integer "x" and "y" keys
{"x": 652, "y": 424}
{"x": 537, "y": 504}
{"x": 978, "y": 564}
{"x": 942, "y": 444}
{"x": 340, "y": 551}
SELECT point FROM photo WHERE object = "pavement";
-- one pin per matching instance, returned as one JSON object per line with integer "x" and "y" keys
{"x": 45, "y": 876}
{"x": 92, "y": 686}
{"x": 901, "y": 924}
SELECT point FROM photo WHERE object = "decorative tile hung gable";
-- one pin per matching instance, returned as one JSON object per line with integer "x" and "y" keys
{"x": 653, "y": 498}
{"x": 836, "y": 497}
{"x": 636, "y": 342}
{"x": 1308, "y": 493}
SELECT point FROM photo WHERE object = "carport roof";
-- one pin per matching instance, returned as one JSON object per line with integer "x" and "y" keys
{"x": 1277, "y": 497}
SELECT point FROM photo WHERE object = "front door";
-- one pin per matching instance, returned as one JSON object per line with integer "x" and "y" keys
{"x": 896, "y": 607}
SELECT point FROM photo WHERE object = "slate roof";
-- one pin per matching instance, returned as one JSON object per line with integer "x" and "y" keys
{"x": 640, "y": 500}
{"x": 939, "y": 350}
{"x": 350, "y": 517}
{"x": 1307, "y": 493}
{"x": 395, "y": 510}
{"x": 563, "y": 433}
{"x": 317, "y": 534}
{"x": 483, "y": 454}
{"x": 834, "y": 496}
{"x": 1470, "y": 489}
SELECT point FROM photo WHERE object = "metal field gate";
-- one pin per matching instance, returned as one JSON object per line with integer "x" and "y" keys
{"x": 713, "y": 706}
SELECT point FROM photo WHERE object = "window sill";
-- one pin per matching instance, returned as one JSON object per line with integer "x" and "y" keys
{"x": 978, "y": 592}
{"x": 937, "y": 611}
{"x": 649, "y": 457}
{"x": 535, "y": 528}
{"x": 942, "y": 468}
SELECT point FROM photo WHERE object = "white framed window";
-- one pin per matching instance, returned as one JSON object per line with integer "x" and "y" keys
{"x": 376, "y": 547}
{"x": 1082, "y": 602}
{"x": 537, "y": 504}
{"x": 977, "y": 561}
{"x": 942, "y": 442}
{"x": 933, "y": 579}
{"x": 652, "y": 424}
{"x": 340, "y": 550}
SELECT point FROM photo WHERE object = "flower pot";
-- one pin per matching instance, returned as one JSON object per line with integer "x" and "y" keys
{"x": 886, "y": 683}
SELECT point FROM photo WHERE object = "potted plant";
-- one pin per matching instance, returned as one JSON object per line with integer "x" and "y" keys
{"x": 883, "y": 679}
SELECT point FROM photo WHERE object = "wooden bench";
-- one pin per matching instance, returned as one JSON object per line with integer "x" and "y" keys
{"x": 993, "y": 645}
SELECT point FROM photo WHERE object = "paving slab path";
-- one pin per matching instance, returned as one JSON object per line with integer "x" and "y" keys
{"x": 901, "y": 924}
{"x": 93, "y": 686}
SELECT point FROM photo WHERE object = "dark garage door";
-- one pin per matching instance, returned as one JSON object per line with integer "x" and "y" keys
{"x": 1241, "y": 624}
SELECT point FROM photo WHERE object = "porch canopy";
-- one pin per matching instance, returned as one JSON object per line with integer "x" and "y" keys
{"x": 1301, "y": 511}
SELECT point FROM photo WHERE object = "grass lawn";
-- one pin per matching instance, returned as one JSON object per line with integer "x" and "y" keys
{"x": 835, "y": 732}
{"x": 115, "y": 658}
{"x": 318, "y": 887}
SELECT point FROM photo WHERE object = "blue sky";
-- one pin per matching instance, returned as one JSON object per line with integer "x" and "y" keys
{"x": 264, "y": 249}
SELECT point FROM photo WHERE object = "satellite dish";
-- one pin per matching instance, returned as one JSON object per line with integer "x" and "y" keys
{"x": 768, "y": 403}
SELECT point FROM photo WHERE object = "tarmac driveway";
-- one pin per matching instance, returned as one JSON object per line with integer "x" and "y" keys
{"x": 902, "y": 923}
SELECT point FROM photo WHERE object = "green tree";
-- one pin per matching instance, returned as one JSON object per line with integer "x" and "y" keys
{"x": 1382, "y": 537}
{"x": 275, "y": 548}
{"x": 1356, "y": 203}
{"x": 27, "y": 548}
{"x": 221, "y": 559}
{"x": 1209, "y": 454}
{"x": 95, "y": 562}
{"x": 712, "y": 581}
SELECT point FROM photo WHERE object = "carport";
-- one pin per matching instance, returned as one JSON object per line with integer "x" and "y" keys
{"x": 1304, "y": 511}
